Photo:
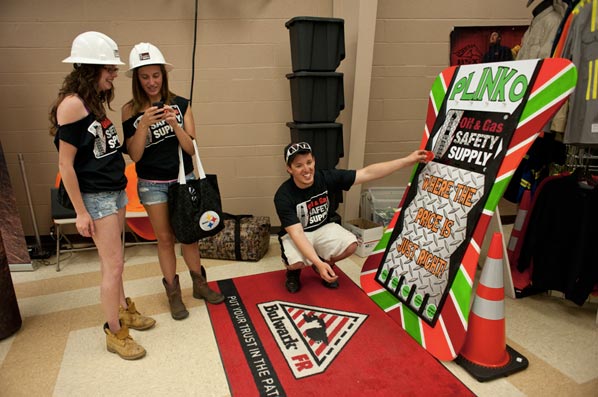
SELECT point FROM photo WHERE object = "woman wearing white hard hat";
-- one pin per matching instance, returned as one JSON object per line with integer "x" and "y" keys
{"x": 153, "y": 134}
{"x": 92, "y": 169}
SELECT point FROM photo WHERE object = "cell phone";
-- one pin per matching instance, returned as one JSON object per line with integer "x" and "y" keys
{"x": 158, "y": 104}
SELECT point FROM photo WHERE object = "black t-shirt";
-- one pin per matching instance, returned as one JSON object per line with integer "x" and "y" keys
{"x": 99, "y": 163}
{"x": 498, "y": 53}
{"x": 310, "y": 206}
{"x": 160, "y": 160}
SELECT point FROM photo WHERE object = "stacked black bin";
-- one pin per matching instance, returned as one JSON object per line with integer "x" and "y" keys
{"x": 317, "y": 92}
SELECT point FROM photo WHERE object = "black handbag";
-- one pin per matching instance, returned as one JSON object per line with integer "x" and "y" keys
{"x": 195, "y": 206}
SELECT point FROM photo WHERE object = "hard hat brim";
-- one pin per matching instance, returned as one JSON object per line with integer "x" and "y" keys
{"x": 167, "y": 66}
{"x": 89, "y": 61}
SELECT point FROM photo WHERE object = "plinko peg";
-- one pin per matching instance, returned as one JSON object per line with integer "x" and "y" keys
{"x": 485, "y": 354}
{"x": 429, "y": 155}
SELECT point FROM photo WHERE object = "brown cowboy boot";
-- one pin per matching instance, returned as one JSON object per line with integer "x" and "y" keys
{"x": 133, "y": 319}
{"x": 202, "y": 291}
{"x": 122, "y": 344}
{"x": 178, "y": 311}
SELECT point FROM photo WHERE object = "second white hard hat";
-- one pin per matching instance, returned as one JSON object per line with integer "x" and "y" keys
{"x": 144, "y": 54}
{"x": 94, "y": 48}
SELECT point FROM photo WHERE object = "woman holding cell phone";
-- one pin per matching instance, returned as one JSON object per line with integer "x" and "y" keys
{"x": 155, "y": 122}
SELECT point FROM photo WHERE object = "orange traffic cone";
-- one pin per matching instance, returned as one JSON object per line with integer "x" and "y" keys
{"x": 514, "y": 245}
{"x": 485, "y": 354}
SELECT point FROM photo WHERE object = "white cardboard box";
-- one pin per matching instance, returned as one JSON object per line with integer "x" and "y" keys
{"x": 368, "y": 234}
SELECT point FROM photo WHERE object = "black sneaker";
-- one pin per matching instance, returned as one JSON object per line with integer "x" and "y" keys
{"x": 293, "y": 282}
{"x": 332, "y": 285}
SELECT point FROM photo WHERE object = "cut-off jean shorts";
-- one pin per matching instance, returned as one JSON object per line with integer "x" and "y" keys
{"x": 154, "y": 192}
{"x": 102, "y": 204}
{"x": 329, "y": 241}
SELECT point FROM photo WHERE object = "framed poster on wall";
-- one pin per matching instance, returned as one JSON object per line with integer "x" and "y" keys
{"x": 477, "y": 44}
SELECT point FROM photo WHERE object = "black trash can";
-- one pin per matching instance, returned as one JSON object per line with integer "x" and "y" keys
{"x": 316, "y": 97}
{"x": 326, "y": 140}
{"x": 317, "y": 44}
{"x": 10, "y": 317}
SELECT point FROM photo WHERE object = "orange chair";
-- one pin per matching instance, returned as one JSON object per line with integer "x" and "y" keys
{"x": 137, "y": 219}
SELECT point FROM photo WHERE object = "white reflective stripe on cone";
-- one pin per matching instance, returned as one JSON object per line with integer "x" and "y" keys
{"x": 492, "y": 273}
{"x": 521, "y": 215}
{"x": 512, "y": 242}
{"x": 489, "y": 310}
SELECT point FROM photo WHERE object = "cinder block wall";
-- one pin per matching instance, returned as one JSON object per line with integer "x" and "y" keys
{"x": 241, "y": 98}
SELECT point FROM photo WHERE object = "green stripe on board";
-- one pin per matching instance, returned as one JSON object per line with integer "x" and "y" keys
{"x": 548, "y": 93}
{"x": 384, "y": 299}
{"x": 438, "y": 92}
{"x": 462, "y": 292}
{"x": 383, "y": 243}
{"x": 411, "y": 324}
{"x": 496, "y": 193}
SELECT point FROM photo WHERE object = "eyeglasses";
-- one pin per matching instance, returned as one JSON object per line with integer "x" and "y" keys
{"x": 296, "y": 147}
{"x": 111, "y": 69}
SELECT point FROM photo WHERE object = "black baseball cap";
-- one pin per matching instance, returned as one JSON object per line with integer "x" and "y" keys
{"x": 293, "y": 149}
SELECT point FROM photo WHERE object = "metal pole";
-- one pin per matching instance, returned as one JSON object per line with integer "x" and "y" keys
{"x": 26, "y": 183}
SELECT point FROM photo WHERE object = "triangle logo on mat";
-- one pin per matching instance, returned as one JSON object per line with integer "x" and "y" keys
{"x": 309, "y": 337}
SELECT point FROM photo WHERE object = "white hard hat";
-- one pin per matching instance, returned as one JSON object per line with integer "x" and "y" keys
{"x": 94, "y": 48}
{"x": 144, "y": 54}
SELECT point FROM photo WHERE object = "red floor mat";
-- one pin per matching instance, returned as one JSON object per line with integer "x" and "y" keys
{"x": 318, "y": 342}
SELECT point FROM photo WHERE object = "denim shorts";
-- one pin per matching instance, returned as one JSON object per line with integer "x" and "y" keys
{"x": 102, "y": 204}
{"x": 151, "y": 192}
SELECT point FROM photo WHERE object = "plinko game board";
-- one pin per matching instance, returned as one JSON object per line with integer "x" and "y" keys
{"x": 481, "y": 121}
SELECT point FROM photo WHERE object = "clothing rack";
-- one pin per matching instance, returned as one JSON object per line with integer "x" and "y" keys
{"x": 578, "y": 157}
{"x": 582, "y": 158}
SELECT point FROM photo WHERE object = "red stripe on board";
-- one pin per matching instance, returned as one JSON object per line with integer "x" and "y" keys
{"x": 393, "y": 221}
{"x": 510, "y": 162}
{"x": 538, "y": 122}
{"x": 546, "y": 73}
{"x": 480, "y": 230}
{"x": 403, "y": 199}
{"x": 431, "y": 116}
{"x": 436, "y": 342}
{"x": 368, "y": 283}
{"x": 454, "y": 326}
{"x": 435, "y": 339}
{"x": 372, "y": 262}
{"x": 447, "y": 75}
{"x": 549, "y": 70}
{"x": 535, "y": 124}
{"x": 395, "y": 314}
{"x": 491, "y": 294}
{"x": 470, "y": 261}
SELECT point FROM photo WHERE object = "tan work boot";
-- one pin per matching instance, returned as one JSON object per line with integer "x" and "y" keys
{"x": 122, "y": 344}
{"x": 202, "y": 291}
{"x": 178, "y": 311}
{"x": 133, "y": 319}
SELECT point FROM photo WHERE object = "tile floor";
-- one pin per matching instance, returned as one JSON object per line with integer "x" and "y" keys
{"x": 60, "y": 349}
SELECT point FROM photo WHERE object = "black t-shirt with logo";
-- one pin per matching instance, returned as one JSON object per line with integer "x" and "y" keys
{"x": 160, "y": 160}
{"x": 310, "y": 206}
{"x": 99, "y": 163}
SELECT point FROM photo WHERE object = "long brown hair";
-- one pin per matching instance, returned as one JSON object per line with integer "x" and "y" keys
{"x": 83, "y": 82}
{"x": 140, "y": 98}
